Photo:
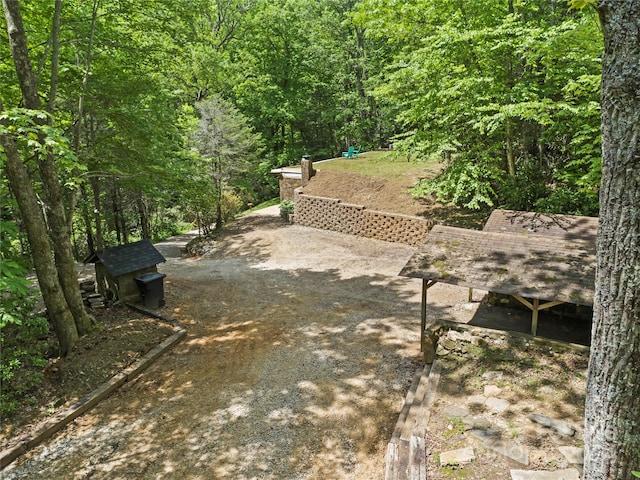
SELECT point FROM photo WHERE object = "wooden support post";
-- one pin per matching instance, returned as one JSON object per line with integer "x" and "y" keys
{"x": 535, "y": 308}
{"x": 426, "y": 285}
{"x": 534, "y": 316}
{"x": 423, "y": 312}
{"x": 470, "y": 295}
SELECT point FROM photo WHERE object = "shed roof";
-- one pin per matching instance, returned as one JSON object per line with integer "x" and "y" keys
{"x": 128, "y": 258}
{"x": 566, "y": 227}
{"x": 547, "y": 268}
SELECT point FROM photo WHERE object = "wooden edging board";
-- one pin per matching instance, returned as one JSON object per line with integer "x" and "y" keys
{"x": 77, "y": 408}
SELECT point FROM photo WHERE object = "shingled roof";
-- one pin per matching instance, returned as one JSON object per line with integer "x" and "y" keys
{"x": 128, "y": 258}
{"x": 530, "y": 266}
{"x": 550, "y": 225}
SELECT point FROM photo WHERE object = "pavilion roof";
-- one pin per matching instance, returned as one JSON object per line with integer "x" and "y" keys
{"x": 547, "y": 266}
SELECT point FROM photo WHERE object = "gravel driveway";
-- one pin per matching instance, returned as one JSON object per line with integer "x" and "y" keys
{"x": 301, "y": 346}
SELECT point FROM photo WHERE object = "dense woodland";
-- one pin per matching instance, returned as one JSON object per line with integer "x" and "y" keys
{"x": 123, "y": 120}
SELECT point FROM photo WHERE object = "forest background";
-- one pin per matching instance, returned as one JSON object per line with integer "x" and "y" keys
{"x": 158, "y": 115}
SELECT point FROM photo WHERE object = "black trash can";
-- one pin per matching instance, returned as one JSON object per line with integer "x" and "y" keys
{"x": 151, "y": 287}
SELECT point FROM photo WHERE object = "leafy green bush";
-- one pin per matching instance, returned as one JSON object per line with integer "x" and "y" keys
{"x": 287, "y": 207}
{"x": 231, "y": 204}
{"x": 479, "y": 184}
{"x": 168, "y": 222}
{"x": 23, "y": 360}
{"x": 570, "y": 200}
{"x": 464, "y": 183}
{"x": 525, "y": 189}
{"x": 22, "y": 335}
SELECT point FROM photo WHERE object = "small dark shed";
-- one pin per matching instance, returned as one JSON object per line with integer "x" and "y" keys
{"x": 117, "y": 268}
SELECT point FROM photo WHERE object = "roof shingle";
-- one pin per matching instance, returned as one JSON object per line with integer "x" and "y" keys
{"x": 128, "y": 258}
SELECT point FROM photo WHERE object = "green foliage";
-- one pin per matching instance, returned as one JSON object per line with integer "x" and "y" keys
{"x": 35, "y": 136}
{"x": 475, "y": 79}
{"x": 231, "y": 205}
{"x": 21, "y": 332}
{"x": 169, "y": 222}
{"x": 465, "y": 183}
{"x": 579, "y": 4}
{"x": 228, "y": 149}
{"x": 433, "y": 77}
{"x": 302, "y": 73}
{"x": 224, "y": 139}
{"x": 13, "y": 279}
{"x": 23, "y": 346}
{"x": 569, "y": 200}
{"x": 287, "y": 207}
{"x": 522, "y": 191}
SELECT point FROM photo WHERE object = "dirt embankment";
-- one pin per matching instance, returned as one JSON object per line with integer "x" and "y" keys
{"x": 389, "y": 195}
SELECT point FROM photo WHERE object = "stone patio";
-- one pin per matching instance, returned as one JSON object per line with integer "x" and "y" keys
{"x": 492, "y": 404}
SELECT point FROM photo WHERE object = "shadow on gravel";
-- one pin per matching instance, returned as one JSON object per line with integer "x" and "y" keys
{"x": 285, "y": 373}
{"x": 288, "y": 371}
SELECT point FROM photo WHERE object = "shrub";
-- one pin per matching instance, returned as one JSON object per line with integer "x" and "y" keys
{"x": 464, "y": 183}
{"x": 231, "y": 205}
{"x": 22, "y": 338}
{"x": 287, "y": 207}
{"x": 569, "y": 200}
{"x": 525, "y": 189}
{"x": 23, "y": 360}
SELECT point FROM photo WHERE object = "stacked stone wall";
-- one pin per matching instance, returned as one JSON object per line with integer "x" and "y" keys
{"x": 288, "y": 187}
{"x": 331, "y": 214}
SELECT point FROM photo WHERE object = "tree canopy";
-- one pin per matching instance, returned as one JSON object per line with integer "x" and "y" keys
{"x": 128, "y": 120}
{"x": 506, "y": 91}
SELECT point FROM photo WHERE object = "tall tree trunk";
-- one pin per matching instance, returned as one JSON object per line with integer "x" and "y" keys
{"x": 511, "y": 162}
{"x": 86, "y": 218}
{"x": 95, "y": 188}
{"x": 77, "y": 131}
{"x": 20, "y": 52}
{"x": 119, "y": 220}
{"x": 55, "y": 58}
{"x": 612, "y": 423}
{"x": 57, "y": 308}
{"x": 61, "y": 237}
{"x": 510, "y": 82}
{"x": 143, "y": 213}
{"x": 56, "y": 216}
{"x": 217, "y": 181}
{"x": 121, "y": 216}
{"x": 115, "y": 207}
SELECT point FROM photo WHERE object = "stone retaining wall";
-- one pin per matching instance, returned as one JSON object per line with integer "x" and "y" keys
{"x": 288, "y": 187}
{"x": 333, "y": 214}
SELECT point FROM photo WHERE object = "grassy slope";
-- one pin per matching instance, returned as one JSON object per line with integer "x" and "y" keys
{"x": 385, "y": 164}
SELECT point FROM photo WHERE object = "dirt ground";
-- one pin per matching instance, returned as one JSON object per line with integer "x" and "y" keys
{"x": 121, "y": 338}
{"x": 491, "y": 387}
{"x": 301, "y": 345}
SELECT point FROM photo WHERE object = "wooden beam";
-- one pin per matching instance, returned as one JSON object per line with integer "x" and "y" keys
{"x": 535, "y": 307}
{"x": 426, "y": 285}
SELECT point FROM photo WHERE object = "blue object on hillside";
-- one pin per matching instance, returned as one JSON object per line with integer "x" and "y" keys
{"x": 352, "y": 152}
